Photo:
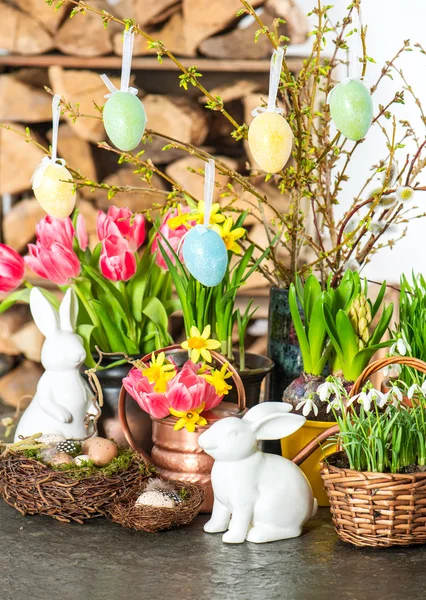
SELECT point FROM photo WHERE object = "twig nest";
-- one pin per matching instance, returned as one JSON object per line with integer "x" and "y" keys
{"x": 270, "y": 140}
{"x": 102, "y": 451}
{"x": 61, "y": 458}
{"x": 82, "y": 458}
{"x": 156, "y": 498}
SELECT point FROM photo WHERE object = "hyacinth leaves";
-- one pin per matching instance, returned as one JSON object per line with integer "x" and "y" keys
{"x": 353, "y": 343}
{"x": 316, "y": 349}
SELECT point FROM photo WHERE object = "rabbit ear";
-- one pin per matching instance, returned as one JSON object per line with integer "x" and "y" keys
{"x": 276, "y": 426}
{"x": 264, "y": 409}
{"x": 44, "y": 315}
{"x": 68, "y": 311}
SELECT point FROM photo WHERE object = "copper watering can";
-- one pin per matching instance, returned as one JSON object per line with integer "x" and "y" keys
{"x": 176, "y": 454}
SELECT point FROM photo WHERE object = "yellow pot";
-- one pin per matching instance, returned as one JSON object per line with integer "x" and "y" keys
{"x": 291, "y": 445}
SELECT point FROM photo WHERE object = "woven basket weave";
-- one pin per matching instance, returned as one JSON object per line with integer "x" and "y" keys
{"x": 377, "y": 509}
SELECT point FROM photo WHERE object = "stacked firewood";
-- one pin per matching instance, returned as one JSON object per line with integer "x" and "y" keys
{"x": 186, "y": 27}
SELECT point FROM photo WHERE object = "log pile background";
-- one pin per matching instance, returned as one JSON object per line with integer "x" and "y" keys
{"x": 32, "y": 33}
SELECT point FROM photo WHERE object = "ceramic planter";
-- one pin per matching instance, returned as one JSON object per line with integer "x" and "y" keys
{"x": 257, "y": 368}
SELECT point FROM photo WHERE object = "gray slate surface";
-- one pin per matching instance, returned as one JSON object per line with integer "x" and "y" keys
{"x": 41, "y": 559}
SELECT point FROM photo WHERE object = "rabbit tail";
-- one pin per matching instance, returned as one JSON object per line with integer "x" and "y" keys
{"x": 315, "y": 508}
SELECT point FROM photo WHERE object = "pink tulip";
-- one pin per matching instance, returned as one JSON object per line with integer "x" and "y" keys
{"x": 173, "y": 237}
{"x": 117, "y": 261}
{"x": 188, "y": 390}
{"x": 56, "y": 262}
{"x": 12, "y": 267}
{"x": 139, "y": 388}
{"x": 50, "y": 230}
{"x": 118, "y": 222}
{"x": 81, "y": 232}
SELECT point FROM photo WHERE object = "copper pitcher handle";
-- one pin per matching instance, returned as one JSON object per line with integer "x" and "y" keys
{"x": 122, "y": 398}
{"x": 313, "y": 445}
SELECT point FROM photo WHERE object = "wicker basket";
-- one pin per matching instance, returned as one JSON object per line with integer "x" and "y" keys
{"x": 34, "y": 488}
{"x": 377, "y": 509}
{"x": 153, "y": 519}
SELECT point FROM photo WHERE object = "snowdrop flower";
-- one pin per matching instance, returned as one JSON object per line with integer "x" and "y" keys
{"x": 335, "y": 405}
{"x": 352, "y": 265}
{"x": 308, "y": 406}
{"x": 379, "y": 398}
{"x": 416, "y": 389}
{"x": 405, "y": 194}
{"x": 393, "y": 370}
{"x": 367, "y": 397}
{"x": 400, "y": 346}
{"x": 394, "y": 396}
{"x": 327, "y": 389}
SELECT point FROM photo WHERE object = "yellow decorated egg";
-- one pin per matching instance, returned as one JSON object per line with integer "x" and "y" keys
{"x": 270, "y": 141}
{"x": 55, "y": 196}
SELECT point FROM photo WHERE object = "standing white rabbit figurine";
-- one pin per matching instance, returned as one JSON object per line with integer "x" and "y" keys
{"x": 63, "y": 397}
{"x": 257, "y": 497}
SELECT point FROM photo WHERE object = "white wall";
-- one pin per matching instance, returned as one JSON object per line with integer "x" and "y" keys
{"x": 389, "y": 23}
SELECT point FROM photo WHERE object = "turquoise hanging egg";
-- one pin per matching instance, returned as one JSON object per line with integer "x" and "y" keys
{"x": 124, "y": 120}
{"x": 205, "y": 255}
{"x": 351, "y": 109}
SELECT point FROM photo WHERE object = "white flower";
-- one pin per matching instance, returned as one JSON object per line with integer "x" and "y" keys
{"x": 335, "y": 405}
{"x": 394, "y": 370}
{"x": 367, "y": 398}
{"x": 400, "y": 346}
{"x": 308, "y": 406}
{"x": 327, "y": 389}
{"x": 405, "y": 194}
{"x": 416, "y": 389}
{"x": 351, "y": 265}
{"x": 395, "y": 396}
{"x": 377, "y": 227}
{"x": 380, "y": 399}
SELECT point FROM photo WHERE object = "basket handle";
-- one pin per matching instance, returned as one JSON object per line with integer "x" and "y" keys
{"x": 122, "y": 398}
{"x": 313, "y": 445}
{"x": 377, "y": 365}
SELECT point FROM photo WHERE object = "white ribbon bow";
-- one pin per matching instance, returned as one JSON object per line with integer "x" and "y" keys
{"x": 126, "y": 65}
{"x": 274, "y": 81}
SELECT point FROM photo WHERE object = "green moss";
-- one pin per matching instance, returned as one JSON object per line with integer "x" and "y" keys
{"x": 35, "y": 454}
{"x": 88, "y": 469}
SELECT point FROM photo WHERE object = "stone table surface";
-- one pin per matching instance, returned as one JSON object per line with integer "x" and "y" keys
{"x": 42, "y": 559}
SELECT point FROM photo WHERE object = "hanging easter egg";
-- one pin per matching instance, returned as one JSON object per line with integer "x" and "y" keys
{"x": 50, "y": 187}
{"x": 351, "y": 108}
{"x": 205, "y": 255}
{"x": 124, "y": 120}
{"x": 270, "y": 141}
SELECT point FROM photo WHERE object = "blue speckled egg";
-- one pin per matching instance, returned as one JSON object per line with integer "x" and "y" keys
{"x": 205, "y": 255}
{"x": 124, "y": 120}
{"x": 351, "y": 108}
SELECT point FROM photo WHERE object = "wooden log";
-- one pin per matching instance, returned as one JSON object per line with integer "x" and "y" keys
{"x": 135, "y": 201}
{"x": 84, "y": 88}
{"x": 179, "y": 117}
{"x": 149, "y": 13}
{"x": 77, "y": 152}
{"x": 20, "y": 34}
{"x": 33, "y": 76}
{"x": 29, "y": 341}
{"x": 18, "y": 160}
{"x": 297, "y": 25}
{"x": 85, "y": 35}
{"x": 19, "y": 224}
{"x": 204, "y": 18}
{"x": 18, "y": 386}
{"x": 21, "y": 102}
{"x": 194, "y": 182}
{"x": 173, "y": 34}
{"x": 235, "y": 90}
{"x": 45, "y": 15}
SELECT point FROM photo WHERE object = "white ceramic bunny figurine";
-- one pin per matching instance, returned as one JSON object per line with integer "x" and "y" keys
{"x": 257, "y": 497}
{"x": 63, "y": 397}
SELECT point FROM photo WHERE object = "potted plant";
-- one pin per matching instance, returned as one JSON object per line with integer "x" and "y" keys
{"x": 213, "y": 309}
{"x": 125, "y": 299}
{"x": 383, "y": 457}
{"x": 182, "y": 391}
{"x": 336, "y": 337}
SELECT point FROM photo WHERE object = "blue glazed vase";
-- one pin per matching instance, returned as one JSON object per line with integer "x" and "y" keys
{"x": 283, "y": 347}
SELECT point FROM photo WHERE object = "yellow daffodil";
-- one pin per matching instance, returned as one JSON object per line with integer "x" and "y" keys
{"x": 159, "y": 372}
{"x": 217, "y": 380}
{"x": 180, "y": 219}
{"x": 199, "y": 344}
{"x": 190, "y": 419}
{"x": 230, "y": 235}
{"x": 214, "y": 217}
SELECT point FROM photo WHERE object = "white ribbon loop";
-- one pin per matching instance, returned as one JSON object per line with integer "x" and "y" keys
{"x": 355, "y": 46}
{"x": 209, "y": 175}
{"x": 274, "y": 82}
{"x": 53, "y": 159}
{"x": 126, "y": 65}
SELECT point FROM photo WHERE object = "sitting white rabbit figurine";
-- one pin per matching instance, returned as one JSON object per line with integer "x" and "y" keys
{"x": 257, "y": 497}
{"x": 63, "y": 397}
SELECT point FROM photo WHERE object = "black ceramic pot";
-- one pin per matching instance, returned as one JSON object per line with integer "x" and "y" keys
{"x": 283, "y": 347}
{"x": 257, "y": 368}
